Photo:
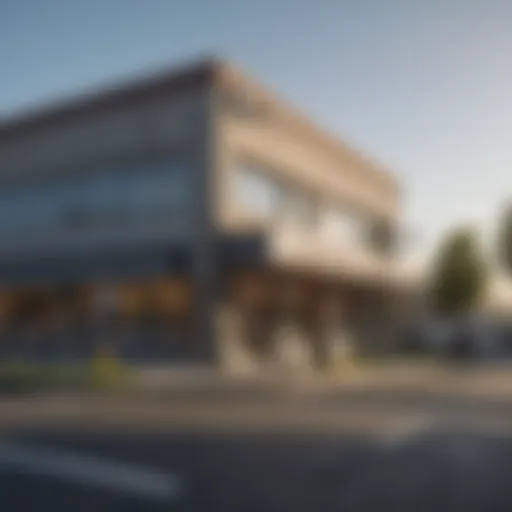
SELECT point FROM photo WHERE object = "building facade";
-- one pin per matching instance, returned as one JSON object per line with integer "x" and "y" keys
{"x": 170, "y": 215}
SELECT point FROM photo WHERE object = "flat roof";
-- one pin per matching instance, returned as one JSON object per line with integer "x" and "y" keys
{"x": 176, "y": 80}
{"x": 179, "y": 79}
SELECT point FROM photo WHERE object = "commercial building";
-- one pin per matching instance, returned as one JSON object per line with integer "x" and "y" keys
{"x": 155, "y": 211}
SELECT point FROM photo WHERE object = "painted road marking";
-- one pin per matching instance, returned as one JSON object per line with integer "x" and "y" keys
{"x": 91, "y": 471}
{"x": 404, "y": 431}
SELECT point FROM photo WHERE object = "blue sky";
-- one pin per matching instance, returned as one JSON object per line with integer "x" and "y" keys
{"x": 424, "y": 86}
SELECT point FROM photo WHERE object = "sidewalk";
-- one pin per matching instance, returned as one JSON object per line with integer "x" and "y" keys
{"x": 478, "y": 380}
{"x": 411, "y": 381}
{"x": 192, "y": 397}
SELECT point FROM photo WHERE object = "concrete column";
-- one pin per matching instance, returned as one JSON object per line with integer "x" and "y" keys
{"x": 383, "y": 314}
{"x": 375, "y": 333}
{"x": 234, "y": 351}
{"x": 204, "y": 260}
{"x": 335, "y": 343}
{"x": 292, "y": 347}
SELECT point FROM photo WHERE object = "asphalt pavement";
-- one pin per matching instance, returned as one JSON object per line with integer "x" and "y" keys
{"x": 436, "y": 471}
{"x": 281, "y": 454}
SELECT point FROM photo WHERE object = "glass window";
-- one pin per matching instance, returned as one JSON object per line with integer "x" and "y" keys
{"x": 105, "y": 199}
{"x": 62, "y": 203}
{"x": 7, "y": 213}
{"x": 344, "y": 226}
{"x": 101, "y": 199}
{"x": 256, "y": 191}
{"x": 155, "y": 196}
{"x": 159, "y": 192}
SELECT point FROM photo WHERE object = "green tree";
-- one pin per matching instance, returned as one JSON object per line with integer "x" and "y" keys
{"x": 459, "y": 274}
{"x": 505, "y": 239}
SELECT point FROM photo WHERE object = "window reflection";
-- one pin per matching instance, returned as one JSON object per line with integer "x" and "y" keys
{"x": 104, "y": 198}
{"x": 292, "y": 205}
{"x": 343, "y": 226}
{"x": 256, "y": 190}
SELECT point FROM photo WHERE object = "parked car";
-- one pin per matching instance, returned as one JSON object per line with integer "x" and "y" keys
{"x": 466, "y": 338}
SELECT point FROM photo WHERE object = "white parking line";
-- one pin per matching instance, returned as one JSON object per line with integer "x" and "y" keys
{"x": 404, "y": 431}
{"x": 91, "y": 471}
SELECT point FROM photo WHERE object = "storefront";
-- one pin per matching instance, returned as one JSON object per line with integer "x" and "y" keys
{"x": 137, "y": 320}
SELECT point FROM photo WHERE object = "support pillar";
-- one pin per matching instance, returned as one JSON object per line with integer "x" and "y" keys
{"x": 205, "y": 264}
{"x": 234, "y": 352}
{"x": 292, "y": 347}
{"x": 334, "y": 344}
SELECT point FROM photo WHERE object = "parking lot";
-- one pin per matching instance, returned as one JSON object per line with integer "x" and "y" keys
{"x": 352, "y": 447}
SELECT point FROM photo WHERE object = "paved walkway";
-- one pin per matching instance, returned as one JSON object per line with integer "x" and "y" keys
{"x": 375, "y": 390}
{"x": 377, "y": 440}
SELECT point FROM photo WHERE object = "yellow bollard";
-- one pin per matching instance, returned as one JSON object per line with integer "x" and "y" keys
{"x": 105, "y": 371}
